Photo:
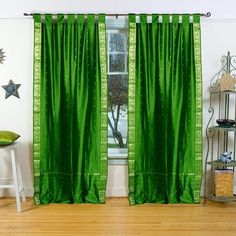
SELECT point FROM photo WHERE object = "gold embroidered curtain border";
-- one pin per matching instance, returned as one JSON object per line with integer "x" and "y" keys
{"x": 104, "y": 131}
{"x": 131, "y": 106}
{"x": 36, "y": 107}
{"x": 198, "y": 73}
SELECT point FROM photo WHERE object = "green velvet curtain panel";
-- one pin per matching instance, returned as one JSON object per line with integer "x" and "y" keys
{"x": 165, "y": 103}
{"x": 70, "y": 109}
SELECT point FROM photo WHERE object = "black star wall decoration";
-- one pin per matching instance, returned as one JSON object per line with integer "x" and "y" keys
{"x": 11, "y": 89}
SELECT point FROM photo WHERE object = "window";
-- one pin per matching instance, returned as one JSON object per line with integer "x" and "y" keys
{"x": 117, "y": 55}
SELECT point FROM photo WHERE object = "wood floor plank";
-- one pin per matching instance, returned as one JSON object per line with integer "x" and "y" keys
{"x": 117, "y": 218}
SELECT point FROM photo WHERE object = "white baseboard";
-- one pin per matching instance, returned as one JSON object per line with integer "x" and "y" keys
{"x": 29, "y": 192}
{"x": 117, "y": 192}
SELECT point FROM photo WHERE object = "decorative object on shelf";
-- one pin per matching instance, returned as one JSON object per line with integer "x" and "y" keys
{"x": 225, "y": 122}
{"x": 11, "y": 89}
{"x": 2, "y": 56}
{"x": 224, "y": 79}
{"x": 225, "y": 157}
{"x": 227, "y": 83}
{"x": 223, "y": 183}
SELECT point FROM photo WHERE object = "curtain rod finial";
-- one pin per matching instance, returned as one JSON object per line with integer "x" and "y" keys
{"x": 208, "y": 14}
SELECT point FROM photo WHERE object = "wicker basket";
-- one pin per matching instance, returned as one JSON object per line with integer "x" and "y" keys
{"x": 224, "y": 183}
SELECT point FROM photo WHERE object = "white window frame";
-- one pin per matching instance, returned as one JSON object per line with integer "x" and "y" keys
{"x": 117, "y": 156}
{"x": 125, "y": 53}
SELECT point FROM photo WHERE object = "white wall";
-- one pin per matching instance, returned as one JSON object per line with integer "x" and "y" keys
{"x": 117, "y": 184}
{"x": 16, "y": 114}
{"x": 218, "y": 37}
{"x": 219, "y": 9}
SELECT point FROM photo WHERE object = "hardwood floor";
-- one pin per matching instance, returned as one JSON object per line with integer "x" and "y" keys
{"x": 116, "y": 217}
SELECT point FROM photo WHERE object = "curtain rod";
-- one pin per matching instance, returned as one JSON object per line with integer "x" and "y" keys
{"x": 208, "y": 14}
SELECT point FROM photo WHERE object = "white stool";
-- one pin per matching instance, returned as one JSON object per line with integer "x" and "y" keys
{"x": 17, "y": 177}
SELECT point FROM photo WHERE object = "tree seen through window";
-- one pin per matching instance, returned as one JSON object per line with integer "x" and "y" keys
{"x": 117, "y": 89}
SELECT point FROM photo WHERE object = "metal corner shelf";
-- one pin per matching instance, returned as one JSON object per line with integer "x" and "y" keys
{"x": 223, "y": 199}
{"x": 222, "y": 92}
{"x": 220, "y": 139}
{"x": 222, "y": 128}
{"x": 221, "y": 165}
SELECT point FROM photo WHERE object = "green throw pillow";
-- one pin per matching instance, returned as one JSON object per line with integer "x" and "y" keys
{"x": 7, "y": 137}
